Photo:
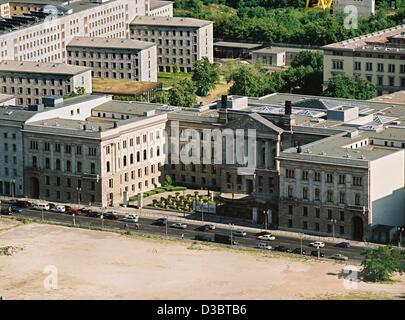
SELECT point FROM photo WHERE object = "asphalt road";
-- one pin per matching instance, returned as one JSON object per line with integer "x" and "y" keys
{"x": 146, "y": 226}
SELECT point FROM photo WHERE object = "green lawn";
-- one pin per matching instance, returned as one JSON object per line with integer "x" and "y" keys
{"x": 168, "y": 79}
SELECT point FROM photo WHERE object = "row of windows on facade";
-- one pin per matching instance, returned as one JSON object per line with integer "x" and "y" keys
{"x": 176, "y": 52}
{"x": 58, "y": 183}
{"x": 317, "y": 213}
{"x": 167, "y": 33}
{"x": 105, "y": 11}
{"x": 176, "y": 60}
{"x": 7, "y": 172}
{"x": 68, "y": 195}
{"x": 141, "y": 184}
{"x": 31, "y": 56}
{"x": 115, "y": 75}
{"x": 58, "y": 165}
{"x": 38, "y": 81}
{"x": 193, "y": 180}
{"x": 170, "y": 68}
{"x": 339, "y": 65}
{"x": 57, "y": 147}
{"x": 100, "y": 55}
{"x": 110, "y": 18}
{"x": 107, "y": 29}
{"x": 356, "y": 180}
{"x": 131, "y": 140}
{"x": 141, "y": 173}
{"x": 35, "y": 91}
{"x": 329, "y": 195}
{"x": 13, "y": 146}
{"x": 304, "y": 225}
{"x": 260, "y": 180}
{"x": 101, "y": 32}
{"x": 113, "y": 65}
{"x": 138, "y": 158}
{"x": 41, "y": 42}
{"x": 371, "y": 55}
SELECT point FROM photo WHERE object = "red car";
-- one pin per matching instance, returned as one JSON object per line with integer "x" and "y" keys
{"x": 75, "y": 212}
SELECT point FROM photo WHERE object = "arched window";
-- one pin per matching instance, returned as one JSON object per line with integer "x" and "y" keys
{"x": 108, "y": 166}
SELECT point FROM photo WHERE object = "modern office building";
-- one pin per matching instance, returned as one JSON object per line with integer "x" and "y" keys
{"x": 40, "y": 30}
{"x": 179, "y": 41}
{"x": 30, "y": 81}
{"x": 379, "y": 57}
{"x": 114, "y": 58}
{"x": 159, "y": 8}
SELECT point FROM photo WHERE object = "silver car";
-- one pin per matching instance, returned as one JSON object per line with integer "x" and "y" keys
{"x": 338, "y": 256}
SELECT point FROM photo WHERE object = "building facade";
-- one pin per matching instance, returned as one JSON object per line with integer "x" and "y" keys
{"x": 30, "y": 81}
{"x": 159, "y": 8}
{"x": 179, "y": 41}
{"x": 114, "y": 58}
{"x": 378, "y": 57}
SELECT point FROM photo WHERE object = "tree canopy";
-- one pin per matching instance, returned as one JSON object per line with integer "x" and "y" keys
{"x": 379, "y": 264}
{"x": 350, "y": 88}
{"x": 205, "y": 75}
{"x": 183, "y": 94}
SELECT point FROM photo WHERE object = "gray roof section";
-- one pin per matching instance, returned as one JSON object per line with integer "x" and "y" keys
{"x": 237, "y": 45}
{"x": 41, "y": 67}
{"x": 170, "y": 22}
{"x": 102, "y": 43}
{"x": 266, "y": 122}
{"x": 156, "y": 4}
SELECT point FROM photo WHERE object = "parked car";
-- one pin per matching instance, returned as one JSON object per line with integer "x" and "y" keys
{"x": 179, "y": 225}
{"x": 267, "y": 237}
{"x": 263, "y": 246}
{"x": 72, "y": 212}
{"x": 343, "y": 245}
{"x": 314, "y": 253}
{"x": 91, "y": 213}
{"x": 317, "y": 244}
{"x": 110, "y": 215}
{"x": 262, "y": 233}
{"x": 16, "y": 209}
{"x": 160, "y": 222}
{"x": 283, "y": 249}
{"x": 299, "y": 251}
{"x": 203, "y": 237}
{"x": 131, "y": 219}
{"x": 23, "y": 204}
{"x": 338, "y": 256}
{"x": 6, "y": 211}
{"x": 41, "y": 206}
{"x": 239, "y": 233}
{"x": 59, "y": 209}
{"x": 205, "y": 227}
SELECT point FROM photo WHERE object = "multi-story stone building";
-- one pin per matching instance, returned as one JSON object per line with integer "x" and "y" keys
{"x": 179, "y": 41}
{"x": 114, "y": 58}
{"x": 103, "y": 156}
{"x": 47, "y": 26}
{"x": 379, "y": 57}
{"x": 159, "y": 8}
{"x": 30, "y": 81}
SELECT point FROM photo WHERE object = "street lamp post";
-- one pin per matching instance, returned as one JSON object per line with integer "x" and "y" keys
{"x": 102, "y": 221}
{"x": 400, "y": 230}
{"x": 334, "y": 221}
{"x": 74, "y": 219}
{"x": 231, "y": 224}
{"x": 301, "y": 242}
{"x": 42, "y": 214}
{"x": 202, "y": 211}
{"x": 265, "y": 219}
{"x": 78, "y": 195}
{"x": 167, "y": 222}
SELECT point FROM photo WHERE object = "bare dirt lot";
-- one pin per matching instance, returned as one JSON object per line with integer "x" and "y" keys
{"x": 101, "y": 265}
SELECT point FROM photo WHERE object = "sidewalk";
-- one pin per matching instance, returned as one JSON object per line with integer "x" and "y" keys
{"x": 218, "y": 221}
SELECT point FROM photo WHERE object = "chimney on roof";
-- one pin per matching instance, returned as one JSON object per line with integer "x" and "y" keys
{"x": 288, "y": 108}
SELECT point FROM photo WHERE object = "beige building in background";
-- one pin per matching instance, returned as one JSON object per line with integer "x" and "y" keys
{"x": 114, "y": 58}
{"x": 278, "y": 56}
{"x": 159, "y": 8}
{"x": 30, "y": 81}
{"x": 179, "y": 41}
{"x": 379, "y": 57}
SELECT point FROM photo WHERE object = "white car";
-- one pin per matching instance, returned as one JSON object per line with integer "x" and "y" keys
{"x": 239, "y": 233}
{"x": 59, "y": 209}
{"x": 338, "y": 256}
{"x": 266, "y": 237}
{"x": 132, "y": 218}
{"x": 41, "y": 206}
{"x": 317, "y": 244}
{"x": 179, "y": 225}
{"x": 264, "y": 246}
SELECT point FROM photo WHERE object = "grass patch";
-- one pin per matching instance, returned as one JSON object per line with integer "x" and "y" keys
{"x": 169, "y": 79}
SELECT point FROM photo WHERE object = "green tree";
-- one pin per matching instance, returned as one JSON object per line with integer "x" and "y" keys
{"x": 379, "y": 264}
{"x": 350, "y": 88}
{"x": 168, "y": 181}
{"x": 162, "y": 97}
{"x": 248, "y": 81}
{"x": 205, "y": 75}
{"x": 182, "y": 94}
{"x": 308, "y": 58}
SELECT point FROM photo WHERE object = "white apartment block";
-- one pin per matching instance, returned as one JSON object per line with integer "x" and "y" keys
{"x": 277, "y": 56}
{"x": 159, "y": 8}
{"x": 365, "y": 8}
{"x": 43, "y": 36}
{"x": 114, "y": 58}
{"x": 30, "y": 81}
{"x": 179, "y": 41}
{"x": 379, "y": 57}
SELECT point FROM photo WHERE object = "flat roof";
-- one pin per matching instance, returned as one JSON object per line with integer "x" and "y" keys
{"x": 156, "y": 4}
{"x": 237, "y": 45}
{"x": 122, "y": 86}
{"x": 13, "y": 113}
{"x": 129, "y": 107}
{"x": 98, "y": 42}
{"x": 283, "y": 49}
{"x": 170, "y": 22}
{"x": 41, "y": 67}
